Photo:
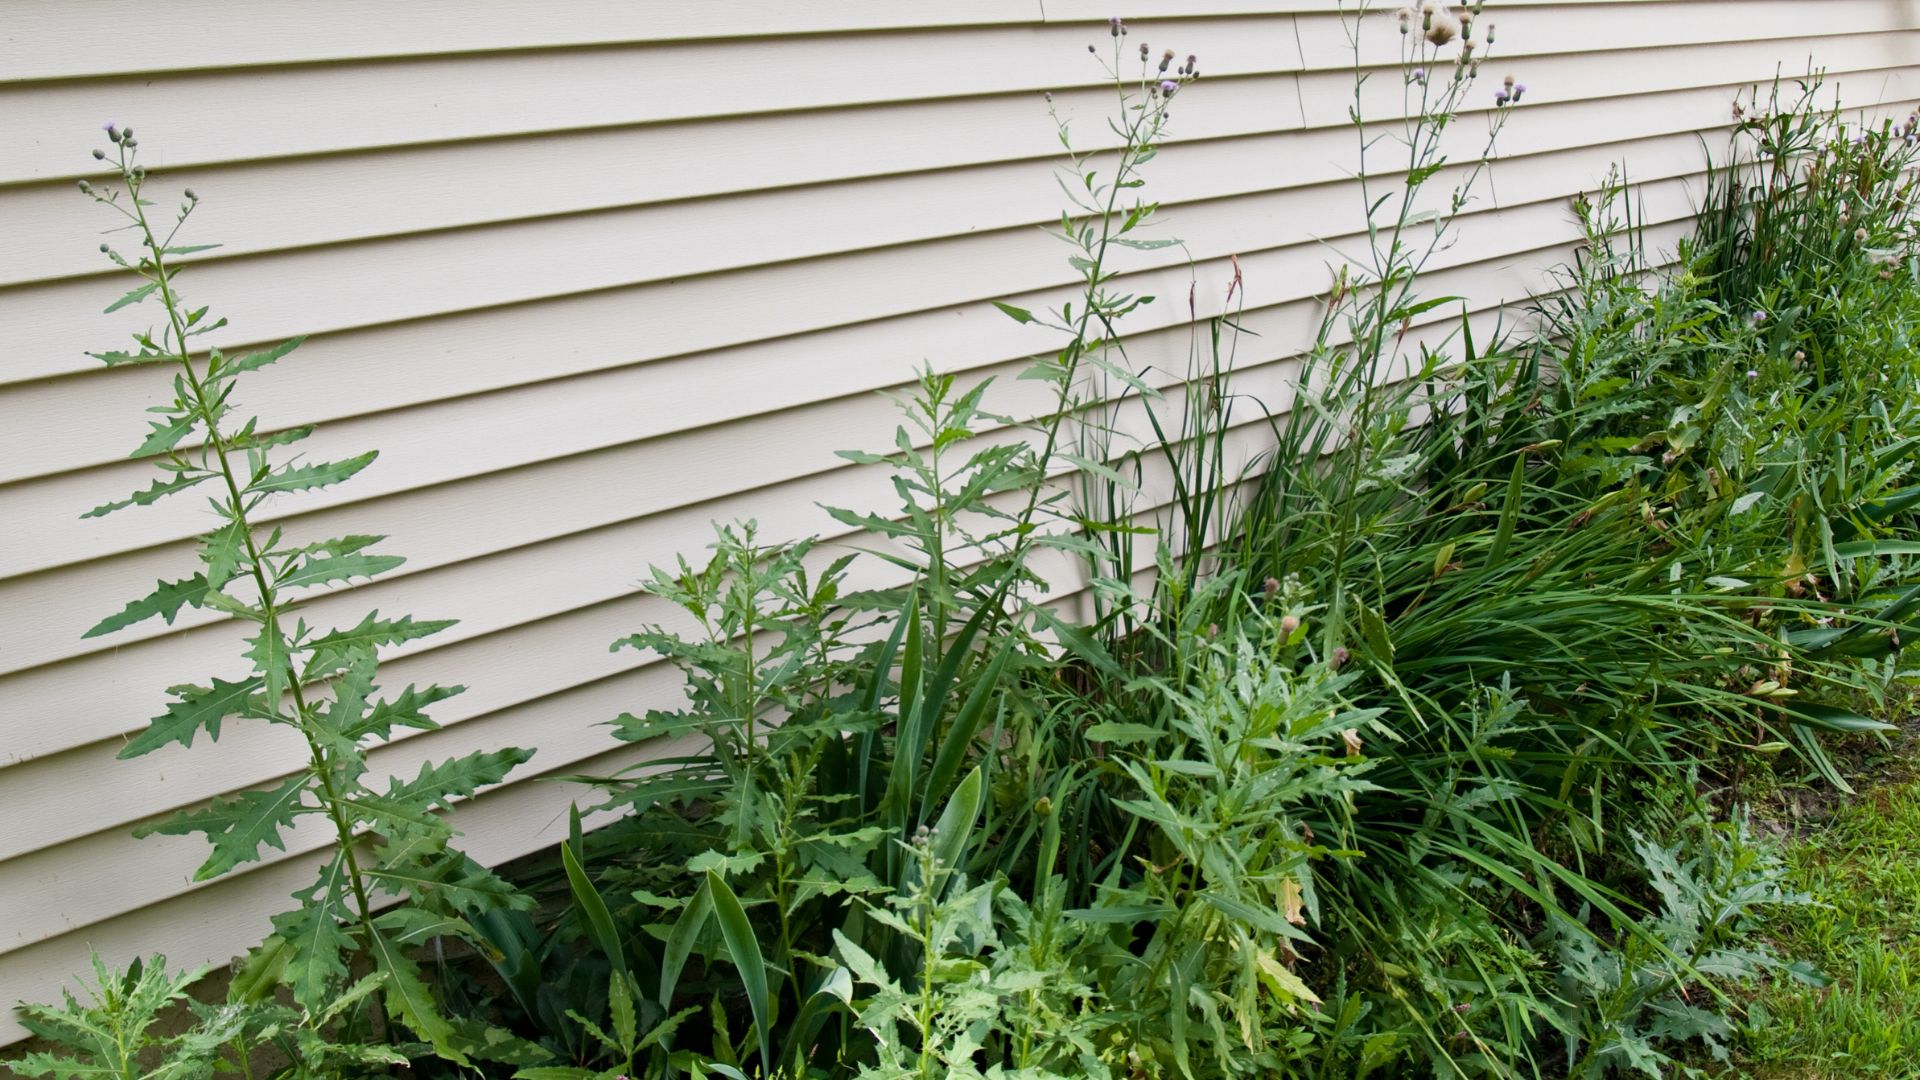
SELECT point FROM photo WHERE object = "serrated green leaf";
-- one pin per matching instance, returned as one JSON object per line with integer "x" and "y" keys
{"x": 327, "y": 652}
{"x": 324, "y": 569}
{"x": 197, "y": 708}
{"x": 409, "y": 1000}
{"x": 403, "y": 711}
{"x": 166, "y": 600}
{"x": 315, "y": 964}
{"x": 258, "y": 360}
{"x": 160, "y": 489}
{"x": 165, "y": 436}
{"x": 133, "y": 296}
{"x": 237, "y": 826}
{"x": 220, "y": 550}
{"x": 458, "y": 778}
{"x": 308, "y": 477}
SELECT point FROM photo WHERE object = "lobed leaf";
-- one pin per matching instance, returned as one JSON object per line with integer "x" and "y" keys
{"x": 238, "y": 826}
{"x": 197, "y": 708}
{"x": 166, "y": 600}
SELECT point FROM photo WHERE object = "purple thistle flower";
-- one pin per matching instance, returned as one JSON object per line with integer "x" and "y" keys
{"x": 1113, "y": 26}
{"x": 1500, "y": 98}
{"x": 1758, "y": 317}
{"x": 1168, "y": 87}
{"x": 1420, "y": 75}
{"x": 1752, "y": 374}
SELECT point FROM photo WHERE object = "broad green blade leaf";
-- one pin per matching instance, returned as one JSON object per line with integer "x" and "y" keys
{"x": 953, "y": 749}
{"x": 409, "y": 1000}
{"x": 307, "y": 477}
{"x": 197, "y": 708}
{"x": 237, "y": 826}
{"x": 955, "y": 827}
{"x": 166, "y": 600}
{"x": 745, "y": 950}
{"x": 594, "y": 916}
{"x": 681, "y": 940}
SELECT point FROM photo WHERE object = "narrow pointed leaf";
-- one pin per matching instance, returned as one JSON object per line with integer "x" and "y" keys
{"x": 745, "y": 950}
{"x": 159, "y": 490}
{"x": 320, "y": 571}
{"x": 197, "y": 708}
{"x": 258, "y": 360}
{"x": 166, "y": 600}
{"x": 238, "y": 826}
{"x": 132, "y": 297}
{"x": 307, "y": 477}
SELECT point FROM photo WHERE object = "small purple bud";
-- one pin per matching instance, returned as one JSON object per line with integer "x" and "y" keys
{"x": 1753, "y": 373}
{"x": 1420, "y": 75}
{"x": 1518, "y": 89}
{"x": 1758, "y": 317}
{"x": 1500, "y": 97}
{"x": 1114, "y": 25}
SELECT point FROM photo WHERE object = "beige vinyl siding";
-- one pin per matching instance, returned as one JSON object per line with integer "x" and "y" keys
{"x": 593, "y": 275}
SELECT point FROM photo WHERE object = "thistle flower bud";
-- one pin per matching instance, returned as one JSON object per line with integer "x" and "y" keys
{"x": 1339, "y": 658}
{"x": 1288, "y": 626}
{"x": 113, "y": 134}
{"x": 1499, "y": 98}
{"x": 1270, "y": 587}
{"x": 1860, "y": 236}
{"x": 104, "y": 249}
{"x": 1113, "y": 26}
{"x": 1168, "y": 87}
{"x": 1758, "y": 317}
{"x": 129, "y": 141}
{"x": 1508, "y": 83}
{"x": 99, "y": 155}
{"x": 1144, "y": 50}
{"x": 191, "y": 197}
{"x": 1420, "y": 75}
{"x": 1752, "y": 373}
{"x": 126, "y": 133}
{"x": 1091, "y": 49}
{"x": 85, "y": 187}
{"x": 1166, "y": 60}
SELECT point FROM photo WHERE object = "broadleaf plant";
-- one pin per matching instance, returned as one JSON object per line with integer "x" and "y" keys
{"x": 389, "y": 839}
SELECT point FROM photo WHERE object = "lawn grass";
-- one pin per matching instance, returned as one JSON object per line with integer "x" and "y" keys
{"x": 1861, "y": 863}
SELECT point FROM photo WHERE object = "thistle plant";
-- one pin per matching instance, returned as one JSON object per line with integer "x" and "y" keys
{"x": 318, "y": 684}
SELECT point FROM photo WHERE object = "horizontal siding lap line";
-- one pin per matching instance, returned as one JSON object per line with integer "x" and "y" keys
{"x": 326, "y": 109}
{"x": 434, "y": 582}
{"x": 432, "y": 452}
{"x": 548, "y": 185}
{"x": 76, "y": 538}
{"x": 48, "y": 342}
{"x": 345, "y": 27}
